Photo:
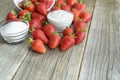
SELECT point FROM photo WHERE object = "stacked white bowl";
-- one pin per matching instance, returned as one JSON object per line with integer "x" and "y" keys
{"x": 15, "y": 31}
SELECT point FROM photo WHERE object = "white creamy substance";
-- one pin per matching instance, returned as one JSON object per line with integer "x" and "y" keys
{"x": 60, "y": 18}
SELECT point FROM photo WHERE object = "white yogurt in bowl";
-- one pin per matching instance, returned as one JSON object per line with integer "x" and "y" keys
{"x": 60, "y": 18}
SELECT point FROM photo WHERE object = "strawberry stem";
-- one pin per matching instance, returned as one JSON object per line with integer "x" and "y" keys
{"x": 80, "y": 1}
{"x": 30, "y": 40}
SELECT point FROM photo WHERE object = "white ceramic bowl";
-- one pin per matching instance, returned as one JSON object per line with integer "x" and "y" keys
{"x": 13, "y": 32}
{"x": 61, "y": 19}
{"x": 16, "y": 2}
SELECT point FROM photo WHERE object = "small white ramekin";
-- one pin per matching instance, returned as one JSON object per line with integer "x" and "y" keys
{"x": 55, "y": 18}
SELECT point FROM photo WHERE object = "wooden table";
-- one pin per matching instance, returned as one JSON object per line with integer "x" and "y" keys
{"x": 97, "y": 58}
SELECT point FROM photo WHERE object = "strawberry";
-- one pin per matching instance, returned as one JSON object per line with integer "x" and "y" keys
{"x": 41, "y": 8}
{"x": 29, "y": 6}
{"x": 67, "y": 42}
{"x": 59, "y": 2}
{"x": 11, "y": 15}
{"x": 80, "y": 36}
{"x": 56, "y": 7}
{"x": 76, "y": 14}
{"x": 54, "y": 40}
{"x": 71, "y": 2}
{"x": 36, "y": 15}
{"x": 35, "y": 23}
{"x": 85, "y": 16}
{"x": 48, "y": 3}
{"x": 34, "y": 1}
{"x": 49, "y": 29}
{"x": 39, "y": 34}
{"x": 80, "y": 6}
{"x": 68, "y": 31}
{"x": 78, "y": 25}
{"x": 21, "y": 4}
{"x": 38, "y": 46}
{"x": 25, "y": 15}
{"x": 66, "y": 7}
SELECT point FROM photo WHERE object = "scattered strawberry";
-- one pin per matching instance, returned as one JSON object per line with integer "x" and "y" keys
{"x": 48, "y": 3}
{"x": 76, "y": 14}
{"x": 80, "y": 36}
{"x": 68, "y": 31}
{"x": 39, "y": 34}
{"x": 66, "y": 7}
{"x": 29, "y": 6}
{"x": 25, "y": 15}
{"x": 67, "y": 42}
{"x": 80, "y": 6}
{"x": 85, "y": 16}
{"x": 79, "y": 25}
{"x": 71, "y": 2}
{"x": 49, "y": 29}
{"x": 54, "y": 40}
{"x": 41, "y": 8}
{"x": 38, "y": 46}
{"x": 56, "y": 7}
{"x": 59, "y": 2}
{"x": 35, "y": 24}
{"x": 11, "y": 15}
{"x": 34, "y": 1}
{"x": 36, "y": 15}
{"x": 21, "y": 4}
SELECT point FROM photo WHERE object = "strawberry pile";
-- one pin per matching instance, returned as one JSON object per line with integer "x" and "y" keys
{"x": 43, "y": 33}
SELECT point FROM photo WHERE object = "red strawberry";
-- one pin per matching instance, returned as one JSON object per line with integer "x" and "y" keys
{"x": 80, "y": 7}
{"x": 11, "y": 15}
{"x": 76, "y": 14}
{"x": 41, "y": 8}
{"x": 68, "y": 31}
{"x": 54, "y": 40}
{"x": 48, "y": 3}
{"x": 66, "y": 7}
{"x": 49, "y": 29}
{"x": 34, "y": 1}
{"x": 56, "y": 7}
{"x": 38, "y": 46}
{"x": 85, "y": 16}
{"x": 21, "y": 4}
{"x": 39, "y": 34}
{"x": 80, "y": 36}
{"x": 25, "y": 15}
{"x": 35, "y": 24}
{"x": 78, "y": 25}
{"x": 29, "y": 6}
{"x": 67, "y": 42}
{"x": 71, "y": 2}
{"x": 59, "y": 2}
{"x": 36, "y": 15}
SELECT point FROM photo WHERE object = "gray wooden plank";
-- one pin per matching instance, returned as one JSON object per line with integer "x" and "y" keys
{"x": 54, "y": 65}
{"x": 11, "y": 56}
{"x": 102, "y": 55}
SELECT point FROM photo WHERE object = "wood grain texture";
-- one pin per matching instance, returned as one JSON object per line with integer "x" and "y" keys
{"x": 11, "y": 55}
{"x": 54, "y": 65}
{"x": 102, "y": 55}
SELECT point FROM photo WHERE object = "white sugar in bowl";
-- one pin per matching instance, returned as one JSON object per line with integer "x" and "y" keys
{"x": 14, "y": 31}
{"x": 60, "y": 18}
